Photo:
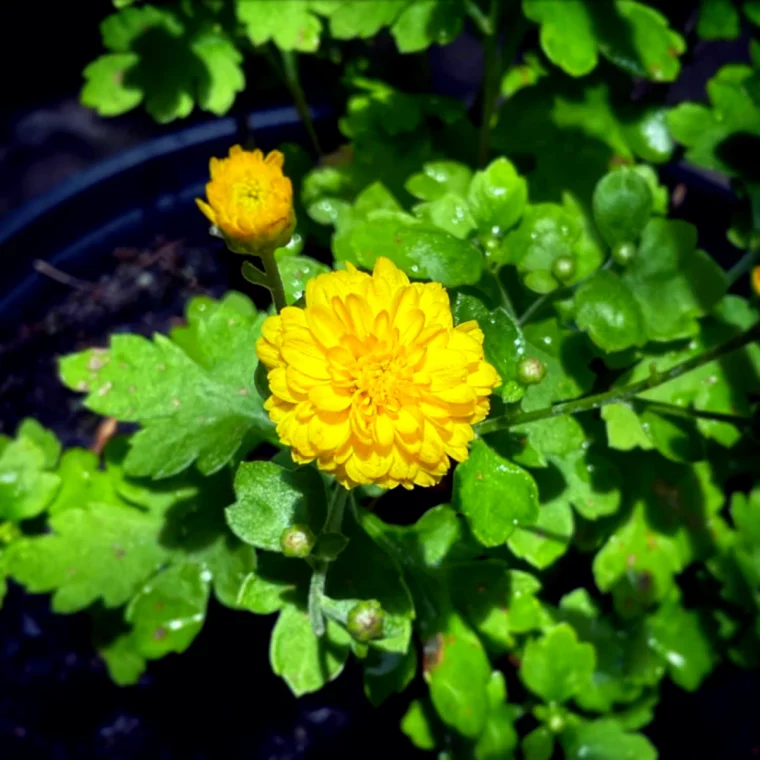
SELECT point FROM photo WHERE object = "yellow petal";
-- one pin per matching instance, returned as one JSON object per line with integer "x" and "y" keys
{"x": 326, "y": 397}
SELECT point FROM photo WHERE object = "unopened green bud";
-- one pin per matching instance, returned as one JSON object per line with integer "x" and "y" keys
{"x": 297, "y": 541}
{"x": 491, "y": 244}
{"x": 624, "y": 253}
{"x": 530, "y": 371}
{"x": 563, "y": 268}
{"x": 366, "y": 620}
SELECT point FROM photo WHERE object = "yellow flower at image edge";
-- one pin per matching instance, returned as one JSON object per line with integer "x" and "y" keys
{"x": 756, "y": 280}
{"x": 373, "y": 381}
{"x": 250, "y": 200}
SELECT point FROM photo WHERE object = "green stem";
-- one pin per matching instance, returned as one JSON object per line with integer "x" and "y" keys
{"x": 492, "y": 70}
{"x": 506, "y": 301}
{"x": 555, "y": 295}
{"x": 293, "y": 81}
{"x": 743, "y": 266}
{"x": 274, "y": 281}
{"x": 334, "y": 519}
{"x": 673, "y": 410}
{"x": 616, "y": 395}
{"x": 333, "y": 523}
{"x": 537, "y": 305}
{"x": 316, "y": 592}
{"x": 482, "y": 21}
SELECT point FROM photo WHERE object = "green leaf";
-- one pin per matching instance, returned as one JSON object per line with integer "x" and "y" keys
{"x": 538, "y": 744}
{"x": 450, "y": 213}
{"x": 605, "y": 740}
{"x": 306, "y": 662}
{"x": 422, "y": 251}
{"x": 82, "y": 481}
{"x": 546, "y": 233}
{"x": 678, "y": 636}
{"x": 3, "y": 583}
{"x": 296, "y": 271}
{"x": 121, "y": 30}
{"x": 166, "y": 58}
{"x": 638, "y": 563}
{"x": 751, "y": 10}
{"x": 107, "y": 88}
{"x": 386, "y": 673}
{"x": 504, "y": 345}
{"x": 125, "y": 664}
{"x": 723, "y": 386}
{"x": 109, "y": 534}
{"x": 548, "y": 539}
{"x": 718, "y": 20}
{"x": 230, "y": 562}
{"x": 438, "y": 178}
{"x": 607, "y": 310}
{"x": 292, "y": 27}
{"x": 419, "y": 725}
{"x": 675, "y": 438}
{"x": 499, "y": 737}
{"x": 622, "y": 670}
{"x": 624, "y": 431}
{"x": 458, "y": 672}
{"x": 637, "y": 39}
{"x": 593, "y": 482}
{"x": 494, "y": 494}
{"x": 525, "y": 74}
{"x": 274, "y": 583}
{"x": 27, "y": 487}
{"x": 427, "y": 22}
{"x": 168, "y": 612}
{"x": 271, "y": 499}
{"x": 496, "y": 601}
{"x": 557, "y": 666}
{"x": 195, "y": 402}
{"x": 223, "y": 77}
{"x": 359, "y": 18}
{"x": 706, "y": 131}
{"x": 622, "y": 205}
{"x": 103, "y": 552}
{"x": 672, "y": 281}
{"x": 565, "y": 356}
{"x": 567, "y": 33}
{"x": 497, "y": 196}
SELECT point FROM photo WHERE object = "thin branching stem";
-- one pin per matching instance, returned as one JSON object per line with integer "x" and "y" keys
{"x": 616, "y": 395}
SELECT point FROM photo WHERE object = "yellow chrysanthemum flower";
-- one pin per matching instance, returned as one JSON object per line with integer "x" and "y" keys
{"x": 250, "y": 200}
{"x": 756, "y": 280}
{"x": 373, "y": 381}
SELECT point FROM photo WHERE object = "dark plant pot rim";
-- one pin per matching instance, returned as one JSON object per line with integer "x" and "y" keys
{"x": 100, "y": 208}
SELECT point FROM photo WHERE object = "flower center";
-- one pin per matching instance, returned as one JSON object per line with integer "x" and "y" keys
{"x": 249, "y": 193}
{"x": 380, "y": 378}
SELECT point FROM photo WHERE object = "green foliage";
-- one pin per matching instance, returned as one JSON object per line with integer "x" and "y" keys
{"x": 194, "y": 395}
{"x": 495, "y": 495}
{"x": 28, "y": 482}
{"x": 631, "y": 35}
{"x": 557, "y": 242}
{"x": 556, "y": 666}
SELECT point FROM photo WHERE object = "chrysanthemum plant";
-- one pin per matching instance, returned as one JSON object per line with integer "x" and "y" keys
{"x": 539, "y": 356}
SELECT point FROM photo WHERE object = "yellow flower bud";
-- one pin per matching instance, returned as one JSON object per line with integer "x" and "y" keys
{"x": 250, "y": 201}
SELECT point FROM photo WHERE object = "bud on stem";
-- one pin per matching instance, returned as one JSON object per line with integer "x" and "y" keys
{"x": 530, "y": 371}
{"x": 297, "y": 541}
{"x": 366, "y": 621}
